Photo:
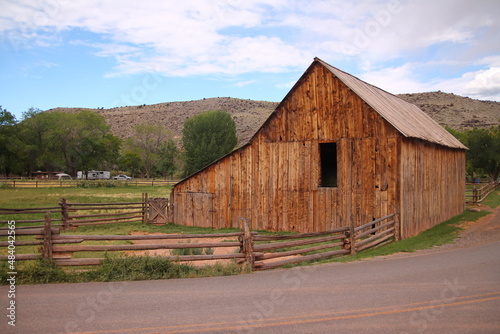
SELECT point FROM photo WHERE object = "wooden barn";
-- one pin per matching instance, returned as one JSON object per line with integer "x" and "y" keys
{"x": 336, "y": 151}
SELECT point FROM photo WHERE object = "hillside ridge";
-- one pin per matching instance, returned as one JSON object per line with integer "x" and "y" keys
{"x": 447, "y": 109}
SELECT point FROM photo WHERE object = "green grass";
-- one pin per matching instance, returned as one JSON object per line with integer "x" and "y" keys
{"x": 493, "y": 199}
{"x": 47, "y": 197}
{"x": 441, "y": 234}
{"x": 131, "y": 268}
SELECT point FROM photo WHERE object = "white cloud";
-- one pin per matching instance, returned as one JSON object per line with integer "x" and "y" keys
{"x": 286, "y": 85}
{"x": 393, "y": 42}
{"x": 179, "y": 38}
{"x": 485, "y": 84}
{"x": 244, "y": 83}
{"x": 421, "y": 28}
{"x": 396, "y": 80}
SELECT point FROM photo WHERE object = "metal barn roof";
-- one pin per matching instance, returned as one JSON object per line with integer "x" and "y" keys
{"x": 407, "y": 118}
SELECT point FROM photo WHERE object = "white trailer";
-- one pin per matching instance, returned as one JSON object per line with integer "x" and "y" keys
{"x": 94, "y": 175}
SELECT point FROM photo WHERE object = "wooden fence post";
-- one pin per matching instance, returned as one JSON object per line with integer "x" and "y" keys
{"x": 171, "y": 208}
{"x": 47, "y": 237}
{"x": 397, "y": 234}
{"x": 144, "y": 208}
{"x": 64, "y": 214}
{"x": 474, "y": 194}
{"x": 247, "y": 245}
{"x": 352, "y": 239}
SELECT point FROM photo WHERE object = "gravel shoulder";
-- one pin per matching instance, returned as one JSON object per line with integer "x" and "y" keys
{"x": 483, "y": 231}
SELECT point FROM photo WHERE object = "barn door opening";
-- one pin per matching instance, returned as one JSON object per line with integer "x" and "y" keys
{"x": 328, "y": 160}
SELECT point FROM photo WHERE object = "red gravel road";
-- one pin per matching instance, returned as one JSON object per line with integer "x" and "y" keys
{"x": 449, "y": 289}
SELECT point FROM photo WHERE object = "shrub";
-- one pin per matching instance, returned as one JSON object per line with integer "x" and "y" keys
{"x": 38, "y": 272}
{"x": 187, "y": 251}
{"x": 135, "y": 268}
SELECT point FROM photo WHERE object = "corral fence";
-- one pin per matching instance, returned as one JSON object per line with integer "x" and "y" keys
{"x": 258, "y": 251}
{"x": 14, "y": 183}
{"x": 476, "y": 193}
{"x": 68, "y": 214}
{"x": 271, "y": 251}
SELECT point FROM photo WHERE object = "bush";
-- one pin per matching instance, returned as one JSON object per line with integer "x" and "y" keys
{"x": 187, "y": 251}
{"x": 136, "y": 268}
{"x": 38, "y": 272}
{"x": 101, "y": 184}
{"x": 4, "y": 185}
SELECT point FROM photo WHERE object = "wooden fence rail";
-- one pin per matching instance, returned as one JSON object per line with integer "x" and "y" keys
{"x": 319, "y": 245}
{"x": 258, "y": 251}
{"x": 477, "y": 195}
{"x": 68, "y": 215}
{"x": 12, "y": 183}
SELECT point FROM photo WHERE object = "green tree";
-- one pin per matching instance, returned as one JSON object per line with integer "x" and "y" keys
{"x": 7, "y": 134}
{"x": 95, "y": 147}
{"x": 39, "y": 148}
{"x": 65, "y": 141}
{"x": 483, "y": 156}
{"x": 167, "y": 158}
{"x": 207, "y": 137}
{"x": 147, "y": 141}
{"x": 484, "y": 150}
{"x": 131, "y": 161}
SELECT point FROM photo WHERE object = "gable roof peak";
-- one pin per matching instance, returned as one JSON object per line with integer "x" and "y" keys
{"x": 406, "y": 117}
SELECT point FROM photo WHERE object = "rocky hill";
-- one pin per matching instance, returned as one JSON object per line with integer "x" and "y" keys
{"x": 456, "y": 111}
{"x": 447, "y": 109}
{"x": 247, "y": 114}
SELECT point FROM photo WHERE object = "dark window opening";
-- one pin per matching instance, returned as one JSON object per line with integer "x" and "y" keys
{"x": 328, "y": 157}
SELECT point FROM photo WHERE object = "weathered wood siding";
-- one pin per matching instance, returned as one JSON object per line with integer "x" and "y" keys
{"x": 432, "y": 185}
{"x": 274, "y": 181}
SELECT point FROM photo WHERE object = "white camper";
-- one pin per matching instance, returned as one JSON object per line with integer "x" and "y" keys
{"x": 94, "y": 175}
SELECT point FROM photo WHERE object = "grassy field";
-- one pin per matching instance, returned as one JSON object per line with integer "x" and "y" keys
{"x": 493, "y": 200}
{"x": 29, "y": 198}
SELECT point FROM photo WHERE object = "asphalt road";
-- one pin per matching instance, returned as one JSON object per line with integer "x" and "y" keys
{"x": 450, "y": 291}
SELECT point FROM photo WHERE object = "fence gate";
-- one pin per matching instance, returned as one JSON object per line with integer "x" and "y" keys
{"x": 158, "y": 210}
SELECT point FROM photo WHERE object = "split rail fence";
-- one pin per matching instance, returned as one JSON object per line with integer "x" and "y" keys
{"x": 477, "y": 195}
{"x": 258, "y": 251}
{"x": 12, "y": 183}
{"x": 68, "y": 215}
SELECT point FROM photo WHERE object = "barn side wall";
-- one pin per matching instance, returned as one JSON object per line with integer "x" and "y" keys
{"x": 432, "y": 185}
{"x": 274, "y": 181}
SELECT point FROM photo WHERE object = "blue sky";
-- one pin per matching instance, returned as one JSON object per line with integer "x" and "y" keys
{"x": 93, "y": 53}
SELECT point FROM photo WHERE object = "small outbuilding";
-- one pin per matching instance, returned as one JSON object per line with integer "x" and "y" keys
{"x": 336, "y": 151}
{"x": 39, "y": 175}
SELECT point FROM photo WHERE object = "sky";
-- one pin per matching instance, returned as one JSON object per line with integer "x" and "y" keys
{"x": 113, "y": 53}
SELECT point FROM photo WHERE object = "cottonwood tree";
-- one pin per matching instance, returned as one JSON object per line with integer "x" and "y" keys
{"x": 7, "y": 134}
{"x": 64, "y": 141}
{"x": 168, "y": 158}
{"x": 147, "y": 142}
{"x": 130, "y": 160}
{"x": 207, "y": 137}
{"x": 40, "y": 147}
{"x": 94, "y": 146}
{"x": 484, "y": 150}
{"x": 483, "y": 156}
